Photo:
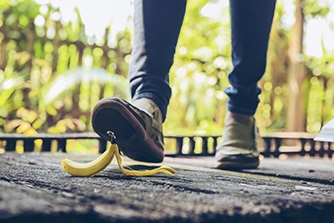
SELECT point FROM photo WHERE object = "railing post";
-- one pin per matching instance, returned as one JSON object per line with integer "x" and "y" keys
{"x": 329, "y": 150}
{"x": 192, "y": 144}
{"x": 321, "y": 149}
{"x": 10, "y": 145}
{"x": 267, "y": 146}
{"x": 302, "y": 149}
{"x": 46, "y": 145}
{"x": 312, "y": 150}
{"x": 214, "y": 144}
{"x": 179, "y": 145}
{"x": 62, "y": 145}
{"x": 278, "y": 142}
{"x": 28, "y": 145}
{"x": 204, "y": 145}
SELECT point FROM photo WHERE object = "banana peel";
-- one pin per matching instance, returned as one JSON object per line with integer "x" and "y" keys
{"x": 99, "y": 164}
{"x": 91, "y": 168}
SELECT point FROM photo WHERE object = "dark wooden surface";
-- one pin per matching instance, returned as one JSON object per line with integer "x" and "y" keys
{"x": 34, "y": 188}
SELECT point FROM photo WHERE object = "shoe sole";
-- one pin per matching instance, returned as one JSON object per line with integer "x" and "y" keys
{"x": 238, "y": 165}
{"x": 112, "y": 114}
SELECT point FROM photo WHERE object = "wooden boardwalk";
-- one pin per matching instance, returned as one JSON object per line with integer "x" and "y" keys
{"x": 34, "y": 188}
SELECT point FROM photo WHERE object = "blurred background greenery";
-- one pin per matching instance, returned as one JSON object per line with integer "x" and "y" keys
{"x": 53, "y": 68}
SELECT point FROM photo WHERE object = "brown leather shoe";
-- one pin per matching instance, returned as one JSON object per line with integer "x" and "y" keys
{"x": 138, "y": 132}
{"x": 238, "y": 148}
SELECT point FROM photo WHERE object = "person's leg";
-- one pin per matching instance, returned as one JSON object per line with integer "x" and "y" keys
{"x": 157, "y": 25}
{"x": 250, "y": 24}
{"x": 138, "y": 126}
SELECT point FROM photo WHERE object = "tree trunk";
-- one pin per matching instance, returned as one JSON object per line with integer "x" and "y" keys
{"x": 296, "y": 73}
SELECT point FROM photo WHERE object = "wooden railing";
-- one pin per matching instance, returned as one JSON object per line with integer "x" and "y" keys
{"x": 184, "y": 145}
{"x": 272, "y": 143}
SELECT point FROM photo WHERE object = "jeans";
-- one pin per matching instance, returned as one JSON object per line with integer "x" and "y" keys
{"x": 157, "y": 25}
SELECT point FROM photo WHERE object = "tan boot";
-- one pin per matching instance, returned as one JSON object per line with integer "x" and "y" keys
{"x": 137, "y": 127}
{"x": 149, "y": 107}
{"x": 238, "y": 148}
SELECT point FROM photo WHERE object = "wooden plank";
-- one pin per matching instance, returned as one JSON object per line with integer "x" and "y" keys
{"x": 301, "y": 168}
{"x": 35, "y": 188}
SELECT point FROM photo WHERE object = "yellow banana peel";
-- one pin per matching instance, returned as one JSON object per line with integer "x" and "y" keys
{"x": 94, "y": 167}
{"x": 89, "y": 169}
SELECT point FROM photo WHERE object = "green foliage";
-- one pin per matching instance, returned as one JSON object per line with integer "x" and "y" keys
{"x": 199, "y": 74}
{"x": 323, "y": 66}
{"x": 316, "y": 8}
{"x": 46, "y": 71}
{"x": 52, "y": 74}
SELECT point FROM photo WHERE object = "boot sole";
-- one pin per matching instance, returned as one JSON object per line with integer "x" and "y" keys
{"x": 239, "y": 165}
{"x": 112, "y": 114}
